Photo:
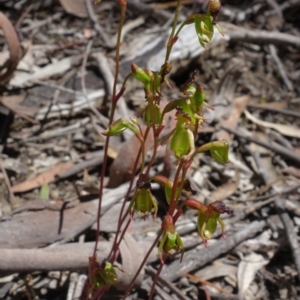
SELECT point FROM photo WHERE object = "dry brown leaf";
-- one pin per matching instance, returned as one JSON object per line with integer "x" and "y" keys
{"x": 76, "y": 8}
{"x": 43, "y": 178}
{"x": 14, "y": 103}
{"x": 238, "y": 106}
{"x": 287, "y": 130}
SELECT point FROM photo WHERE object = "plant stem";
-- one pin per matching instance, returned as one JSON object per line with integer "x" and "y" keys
{"x": 156, "y": 278}
{"x": 170, "y": 44}
{"x": 113, "y": 108}
{"x": 121, "y": 217}
{"x": 172, "y": 205}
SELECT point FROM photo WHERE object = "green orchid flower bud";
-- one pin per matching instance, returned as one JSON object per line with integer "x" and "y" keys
{"x": 182, "y": 141}
{"x": 204, "y": 29}
{"x": 170, "y": 242}
{"x": 198, "y": 98}
{"x": 119, "y": 126}
{"x": 208, "y": 219}
{"x": 214, "y": 9}
{"x": 219, "y": 151}
{"x": 141, "y": 75}
{"x": 152, "y": 115}
{"x": 143, "y": 201}
{"x": 103, "y": 275}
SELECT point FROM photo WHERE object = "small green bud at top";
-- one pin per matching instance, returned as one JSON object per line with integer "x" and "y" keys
{"x": 141, "y": 75}
{"x": 118, "y": 127}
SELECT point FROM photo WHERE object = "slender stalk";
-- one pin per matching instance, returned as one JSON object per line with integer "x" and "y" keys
{"x": 121, "y": 217}
{"x": 170, "y": 44}
{"x": 172, "y": 205}
{"x": 156, "y": 278}
{"x": 113, "y": 108}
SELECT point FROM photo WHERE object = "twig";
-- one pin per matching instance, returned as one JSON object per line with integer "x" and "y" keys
{"x": 290, "y": 232}
{"x": 41, "y": 23}
{"x": 193, "y": 261}
{"x": 286, "y": 112}
{"x": 83, "y": 71}
{"x": 100, "y": 30}
{"x": 275, "y": 147}
{"x": 288, "y": 224}
{"x": 166, "y": 283}
{"x": 262, "y": 37}
{"x": 280, "y": 68}
{"x": 6, "y": 179}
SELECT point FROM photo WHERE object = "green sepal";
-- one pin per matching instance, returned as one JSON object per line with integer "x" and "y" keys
{"x": 144, "y": 202}
{"x": 144, "y": 76}
{"x": 119, "y": 126}
{"x": 204, "y": 29}
{"x": 197, "y": 99}
{"x": 219, "y": 151}
{"x": 181, "y": 142}
{"x": 155, "y": 111}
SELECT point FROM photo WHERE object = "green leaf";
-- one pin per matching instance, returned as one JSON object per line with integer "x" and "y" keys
{"x": 45, "y": 191}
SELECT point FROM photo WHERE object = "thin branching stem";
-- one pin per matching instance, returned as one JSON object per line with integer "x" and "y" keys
{"x": 172, "y": 205}
{"x": 170, "y": 44}
{"x": 112, "y": 113}
{"x": 121, "y": 217}
{"x": 156, "y": 278}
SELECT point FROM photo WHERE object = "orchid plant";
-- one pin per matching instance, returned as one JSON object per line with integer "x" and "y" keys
{"x": 181, "y": 140}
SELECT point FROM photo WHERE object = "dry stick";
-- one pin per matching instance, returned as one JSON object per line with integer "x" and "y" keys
{"x": 6, "y": 179}
{"x": 83, "y": 85}
{"x": 113, "y": 108}
{"x": 100, "y": 30}
{"x": 196, "y": 260}
{"x": 262, "y": 37}
{"x": 166, "y": 283}
{"x": 280, "y": 68}
{"x": 156, "y": 276}
{"x": 275, "y": 147}
{"x": 286, "y": 112}
{"x": 142, "y": 264}
{"x": 290, "y": 232}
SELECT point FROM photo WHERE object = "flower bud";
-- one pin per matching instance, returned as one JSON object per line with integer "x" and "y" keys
{"x": 118, "y": 127}
{"x": 152, "y": 115}
{"x": 182, "y": 141}
{"x": 143, "y": 201}
{"x": 219, "y": 151}
{"x": 141, "y": 75}
{"x": 170, "y": 242}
